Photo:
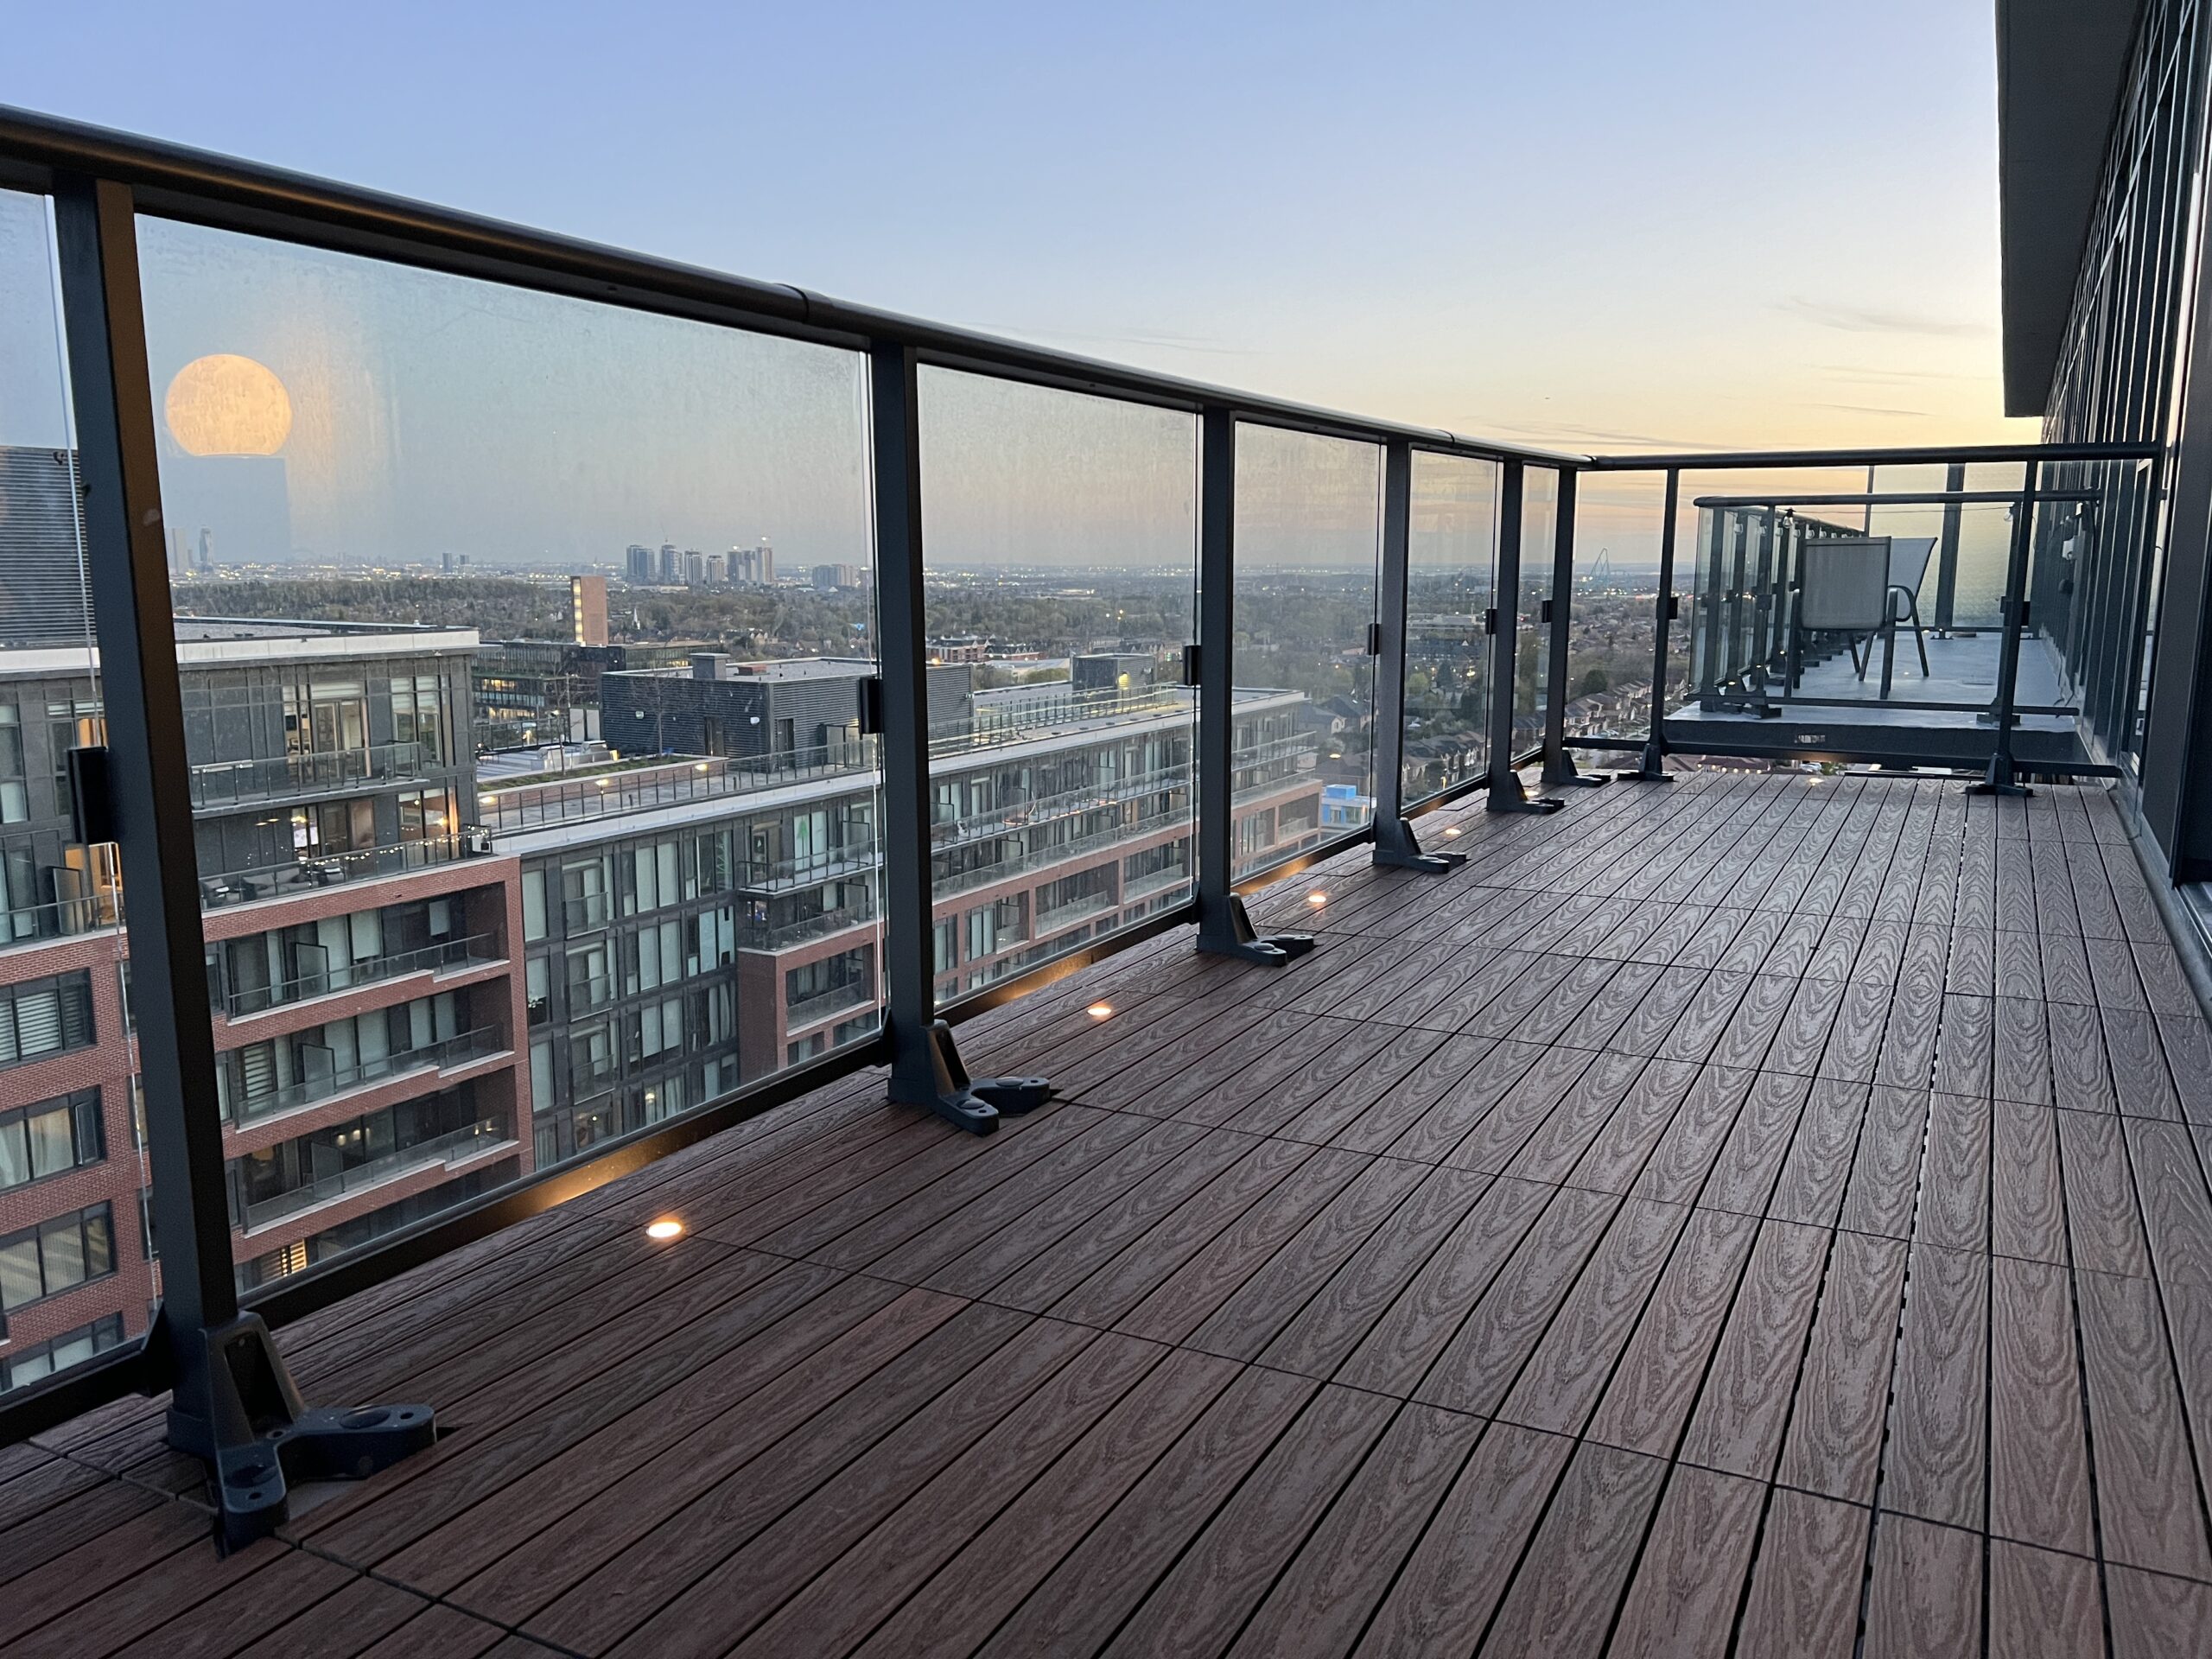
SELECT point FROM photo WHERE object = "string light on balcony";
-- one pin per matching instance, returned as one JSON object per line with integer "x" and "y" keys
{"x": 665, "y": 1228}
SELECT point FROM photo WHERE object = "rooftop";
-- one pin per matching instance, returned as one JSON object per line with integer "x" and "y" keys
{"x": 1714, "y": 1216}
{"x": 212, "y": 641}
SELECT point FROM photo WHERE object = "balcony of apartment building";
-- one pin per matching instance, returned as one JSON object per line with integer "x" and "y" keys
{"x": 1757, "y": 1205}
{"x": 286, "y": 1189}
{"x": 310, "y": 775}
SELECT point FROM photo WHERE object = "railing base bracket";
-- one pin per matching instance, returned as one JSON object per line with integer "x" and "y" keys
{"x": 1233, "y": 935}
{"x": 256, "y": 1435}
{"x": 1506, "y": 795}
{"x": 1999, "y": 779}
{"x": 1397, "y": 847}
{"x": 975, "y": 1104}
{"x": 1651, "y": 769}
{"x": 1563, "y": 773}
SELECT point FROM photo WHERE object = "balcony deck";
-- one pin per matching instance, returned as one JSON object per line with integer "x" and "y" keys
{"x": 1730, "y": 1218}
{"x": 1852, "y": 716}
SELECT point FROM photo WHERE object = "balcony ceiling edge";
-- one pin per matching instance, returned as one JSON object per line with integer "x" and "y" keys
{"x": 2061, "y": 67}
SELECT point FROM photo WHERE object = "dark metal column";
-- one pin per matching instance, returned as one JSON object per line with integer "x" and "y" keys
{"x": 1223, "y": 927}
{"x": 1396, "y": 844}
{"x": 925, "y": 1068}
{"x": 233, "y": 1403}
{"x": 1999, "y": 779}
{"x": 1947, "y": 551}
{"x": 1653, "y": 769}
{"x": 1506, "y": 794}
{"x": 1559, "y": 764}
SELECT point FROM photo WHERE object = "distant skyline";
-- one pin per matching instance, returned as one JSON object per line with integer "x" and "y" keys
{"x": 1590, "y": 227}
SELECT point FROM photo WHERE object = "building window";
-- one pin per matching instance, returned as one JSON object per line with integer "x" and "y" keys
{"x": 46, "y": 1016}
{"x": 541, "y": 1076}
{"x": 50, "y": 1138}
{"x": 533, "y": 904}
{"x": 15, "y": 784}
{"x": 59, "y": 1353}
{"x": 71, "y": 726}
{"x": 56, "y": 1255}
{"x": 945, "y": 946}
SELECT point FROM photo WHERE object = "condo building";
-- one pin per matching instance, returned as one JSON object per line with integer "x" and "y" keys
{"x": 364, "y": 1010}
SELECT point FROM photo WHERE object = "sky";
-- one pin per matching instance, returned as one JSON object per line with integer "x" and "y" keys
{"x": 1604, "y": 225}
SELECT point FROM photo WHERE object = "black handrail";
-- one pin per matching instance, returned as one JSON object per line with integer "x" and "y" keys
{"x": 178, "y": 181}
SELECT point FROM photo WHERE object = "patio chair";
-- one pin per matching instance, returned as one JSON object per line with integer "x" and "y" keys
{"x": 1843, "y": 587}
{"x": 1909, "y": 556}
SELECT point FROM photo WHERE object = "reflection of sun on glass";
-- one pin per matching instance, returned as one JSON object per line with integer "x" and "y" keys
{"x": 227, "y": 405}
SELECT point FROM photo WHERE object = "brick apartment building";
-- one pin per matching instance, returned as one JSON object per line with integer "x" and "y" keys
{"x": 421, "y": 988}
{"x": 364, "y": 1005}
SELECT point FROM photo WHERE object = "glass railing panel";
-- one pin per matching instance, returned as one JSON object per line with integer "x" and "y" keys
{"x": 1740, "y": 569}
{"x": 1612, "y": 611}
{"x": 2093, "y": 593}
{"x": 78, "y": 1278}
{"x": 414, "y": 462}
{"x": 1532, "y": 656}
{"x": 1450, "y": 573}
{"x": 1308, "y": 534}
{"x": 1062, "y": 538}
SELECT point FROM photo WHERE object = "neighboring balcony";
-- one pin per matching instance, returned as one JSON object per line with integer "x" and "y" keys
{"x": 434, "y": 1061}
{"x": 313, "y": 871}
{"x": 822, "y": 1005}
{"x": 450, "y": 1151}
{"x": 220, "y": 785}
{"x": 444, "y": 957}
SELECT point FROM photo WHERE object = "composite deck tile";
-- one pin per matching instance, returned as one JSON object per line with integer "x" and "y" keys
{"x": 1762, "y": 1216}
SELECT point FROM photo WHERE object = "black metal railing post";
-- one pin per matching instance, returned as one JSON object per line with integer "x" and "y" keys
{"x": 232, "y": 1403}
{"x": 1559, "y": 763}
{"x": 926, "y": 1066}
{"x": 1506, "y": 794}
{"x": 1224, "y": 929}
{"x": 1999, "y": 779}
{"x": 1395, "y": 843}
{"x": 1653, "y": 767}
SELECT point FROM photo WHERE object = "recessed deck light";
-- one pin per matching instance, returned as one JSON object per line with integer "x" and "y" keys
{"x": 666, "y": 1227}
{"x": 1100, "y": 1010}
{"x": 1451, "y": 831}
{"x": 1316, "y": 900}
